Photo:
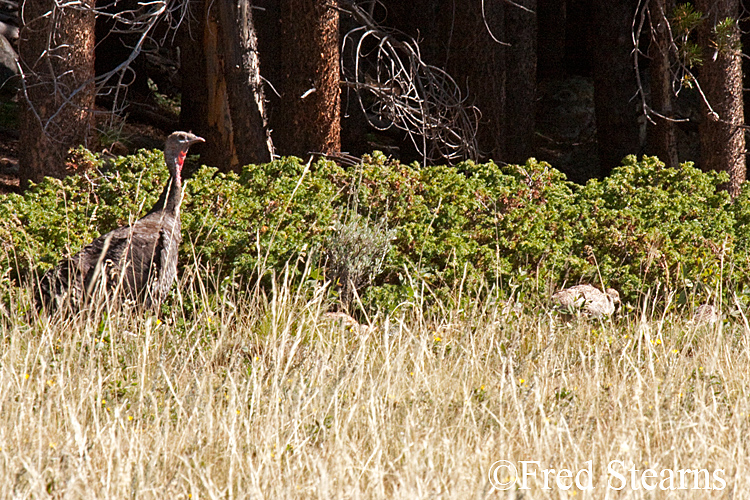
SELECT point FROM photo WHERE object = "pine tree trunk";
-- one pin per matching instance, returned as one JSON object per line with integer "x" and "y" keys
{"x": 721, "y": 135}
{"x": 244, "y": 86}
{"x": 661, "y": 138}
{"x": 56, "y": 52}
{"x": 455, "y": 37}
{"x": 308, "y": 118}
{"x": 474, "y": 59}
{"x": 551, "y": 21}
{"x": 194, "y": 82}
{"x": 520, "y": 84}
{"x": 205, "y": 106}
{"x": 617, "y": 113}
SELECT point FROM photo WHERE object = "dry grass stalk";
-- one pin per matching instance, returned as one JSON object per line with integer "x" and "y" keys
{"x": 242, "y": 399}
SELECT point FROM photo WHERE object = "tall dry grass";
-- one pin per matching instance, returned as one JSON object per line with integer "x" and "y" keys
{"x": 233, "y": 397}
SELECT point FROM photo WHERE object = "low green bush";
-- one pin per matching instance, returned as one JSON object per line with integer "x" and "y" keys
{"x": 469, "y": 227}
{"x": 477, "y": 228}
{"x": 646, "y": 225}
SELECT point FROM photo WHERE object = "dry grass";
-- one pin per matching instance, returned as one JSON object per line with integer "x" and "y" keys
{"x": 236, "y": 398}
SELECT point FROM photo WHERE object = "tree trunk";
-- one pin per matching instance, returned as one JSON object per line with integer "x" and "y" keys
{"x": 474, "y": 60}
{"x": 520, "y": 86}
{"x": 454, "y": 36}
{"x": 194, "y": 84}
{"x": 56, "y": 52}
{"x": 222, "y": 85}
{"x": 617, "y": 128}
{"x": 243, "y": 83}
{"x": 308, "y": 120}
{"x": 205, "y": 106}
{"x": 551, "y": 21}
{"x": 268, "y": 28}
{"x": 721, "y": 135}
{"x": 661, "y": 134}
{"x": 500, "y": 77}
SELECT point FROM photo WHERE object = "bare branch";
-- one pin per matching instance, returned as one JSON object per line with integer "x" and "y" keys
{"x": 396, "y": 88}
{"x": 644, "y": 17}
{"x": 514, "y": 4}
{"x": 489, "y": 30}
{"x": 140, "y": 21}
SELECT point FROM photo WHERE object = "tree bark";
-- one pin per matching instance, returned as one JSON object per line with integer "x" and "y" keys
{"x": 243, "y": 83}
{"x": 615, "y": 86}
{"x": 308, "y": 120}
{"x": 267, "y": 20}
{"x": 453, "y": 36}
{"x": 205, "y": 106}
{"x": 520, "y": 86}
{"x": 661, "y": 134}
{"x": 551, "y": 23}
{"x": 474, "y": 60}
{"x": 56, "y": 52}
{"x": 194, "y": 83}
{"x": 722, "y": 138}
{"x": 222, "y": 90}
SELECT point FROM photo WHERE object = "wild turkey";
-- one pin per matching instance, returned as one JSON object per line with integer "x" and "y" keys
{"x": 138, "y": 261}
{"x": 588, "y": 300}
{"x": 706, "y": 315}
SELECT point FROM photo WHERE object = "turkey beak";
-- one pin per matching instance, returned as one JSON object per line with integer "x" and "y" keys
{"x": 195, "y": 139}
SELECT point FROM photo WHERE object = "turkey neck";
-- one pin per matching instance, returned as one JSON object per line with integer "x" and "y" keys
{"x": 169, "y": 200}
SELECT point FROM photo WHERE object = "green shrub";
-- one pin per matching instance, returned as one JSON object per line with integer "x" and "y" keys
{"x": 477, "y": 228}
{"x": 647, "y": 224}
{"x": 57, "y": 217}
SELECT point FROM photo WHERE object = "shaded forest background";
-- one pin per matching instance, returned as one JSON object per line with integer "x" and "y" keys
{"x": 578, "y": 83}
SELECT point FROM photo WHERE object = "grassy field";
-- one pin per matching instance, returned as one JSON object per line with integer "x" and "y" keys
{"x": 230, "y": 396}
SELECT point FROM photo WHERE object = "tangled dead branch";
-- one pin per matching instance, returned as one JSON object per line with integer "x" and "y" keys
{"x": 141, "y": 21}
{"x": 396, "y": 88}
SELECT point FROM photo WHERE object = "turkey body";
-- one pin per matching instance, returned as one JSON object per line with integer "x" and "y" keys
{"x": 137, "y": 261}
{"x": 587, "y": 299}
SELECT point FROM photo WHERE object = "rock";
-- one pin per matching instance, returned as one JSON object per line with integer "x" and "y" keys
{"x": 588, "y": 300}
